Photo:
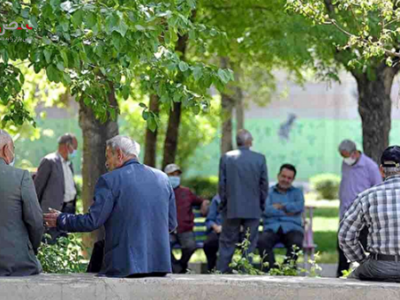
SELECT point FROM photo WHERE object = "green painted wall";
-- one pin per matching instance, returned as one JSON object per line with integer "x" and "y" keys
{"x": 312, "y": 145}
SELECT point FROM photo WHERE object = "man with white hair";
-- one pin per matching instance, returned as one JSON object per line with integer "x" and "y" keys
{"x": 243, "y": 189}
{"x": 136, "y": 205}
{"x": 359, "y": 173}
{"x": 21, "y": 218}
{"x": 377, "y": 209}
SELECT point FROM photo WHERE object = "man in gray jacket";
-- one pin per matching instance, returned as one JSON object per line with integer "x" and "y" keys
{"x": 243, "y": 188}
{"x": 54, "y": 181}
{"x": 21, "y": 218}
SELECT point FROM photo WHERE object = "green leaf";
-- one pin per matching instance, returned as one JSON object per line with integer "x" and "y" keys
{"x": 53, "y": 73}
{"x": 140, "y": 28}
{"x": 64, "y": 56}
{"x": 126, "y": 91}
{"x": 151, "y": 123}
{"x": 197, "y": 73}
{"x": 224, "y": 76}
{"x": 60, "y": 66}
{"x": 122, "y": 28}
{"x": 47, "y": 55}
{"x": 64, "y": 24}
{"x": 183, "y": 66}
{"x": 25, "y": 13}
{"x": 77, "y": 18}
{"x": 55, "y": 4}
{"x": 91, "y": 19}
{"x": 142, "y": 105}
{"x": 145, "y": 115}
{"x": 67, "y": 78}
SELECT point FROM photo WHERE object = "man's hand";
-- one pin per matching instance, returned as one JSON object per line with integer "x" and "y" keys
{"x": 204, "y": 207}
{"x": 278, "y": 206}
{"x": 217, "y": 228}
{"x": 50, "y": 219}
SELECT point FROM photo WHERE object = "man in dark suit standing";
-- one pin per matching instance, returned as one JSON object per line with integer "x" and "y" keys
{"x": 21, "y": 219}
{"x": 243, "y": 188}
{"x": 54, "y": 181}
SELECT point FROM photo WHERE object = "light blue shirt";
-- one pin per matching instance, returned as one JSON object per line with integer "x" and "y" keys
{"x": 293, "y": 202}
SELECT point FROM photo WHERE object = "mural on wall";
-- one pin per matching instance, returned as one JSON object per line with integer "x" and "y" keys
{"x": 286, "y": 127}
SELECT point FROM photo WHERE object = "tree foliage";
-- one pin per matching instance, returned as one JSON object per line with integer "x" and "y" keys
{"x": 370, "y": 27}
{"x": 90, "y": 46}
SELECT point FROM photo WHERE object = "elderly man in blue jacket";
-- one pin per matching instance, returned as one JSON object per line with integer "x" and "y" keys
{"x": 282, "y": 217}
{"x": 136, "y": 205}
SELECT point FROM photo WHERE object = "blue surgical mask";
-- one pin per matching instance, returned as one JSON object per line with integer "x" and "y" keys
{"x": 73, "y": 154}
{"x": 175, "y": 181}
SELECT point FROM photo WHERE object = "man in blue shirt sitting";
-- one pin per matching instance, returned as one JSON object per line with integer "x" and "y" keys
{"x": 283, "y": 217}
{"x": 214, "y": 228}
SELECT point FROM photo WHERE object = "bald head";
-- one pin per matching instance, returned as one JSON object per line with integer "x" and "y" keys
{"x": 6, "y": 147}
{"x": 244, "y": 138}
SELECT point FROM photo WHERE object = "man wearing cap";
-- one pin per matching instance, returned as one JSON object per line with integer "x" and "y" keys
{"x": 378, "y": 209}
{"x": 184, "y": 235}
{"x": 359, "y": 173}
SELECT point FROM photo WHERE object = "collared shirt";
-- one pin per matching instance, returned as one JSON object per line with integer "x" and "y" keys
{"x": 379, "y": 209}
{"x": 70, "y": 190}
{"x": 185, "y": 200}
{"x": 356, "y": 179}
{"x": 214, "y": 216}
{"x": 293, "y": 202}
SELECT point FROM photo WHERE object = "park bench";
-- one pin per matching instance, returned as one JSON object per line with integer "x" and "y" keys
{"x": 200, "y": 231}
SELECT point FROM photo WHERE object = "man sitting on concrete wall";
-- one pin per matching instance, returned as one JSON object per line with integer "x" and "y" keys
{"x": 282, "y": 217}
{"x": 136, "y": 205}
{"x": 184, "y": 235}
{"x": 378, "y": 209}
{"x": 21, "y": 218}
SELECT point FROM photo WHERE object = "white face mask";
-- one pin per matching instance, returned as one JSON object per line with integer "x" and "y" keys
{"x": 349, "y": 160}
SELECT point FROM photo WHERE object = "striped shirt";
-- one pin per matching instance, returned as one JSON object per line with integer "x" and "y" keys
{"x": 378, "y": 208}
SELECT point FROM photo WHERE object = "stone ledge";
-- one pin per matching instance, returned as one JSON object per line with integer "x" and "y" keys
{"x": 192, "y": 287}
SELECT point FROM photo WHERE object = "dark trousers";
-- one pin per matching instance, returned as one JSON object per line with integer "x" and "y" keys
{"x": 230, "y": 236}
{"x": 269, "y": 239}
{"x": 343, "y": 264}
{"x": 210, "y": 248}
{"x": 188, "y": 245}
{"x": 96, "y": 260}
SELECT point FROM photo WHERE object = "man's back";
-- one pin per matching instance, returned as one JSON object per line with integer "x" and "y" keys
{"x": 138, "y": 211}
{"x": 21, "y": 223}
{"x": 243, "y": 183}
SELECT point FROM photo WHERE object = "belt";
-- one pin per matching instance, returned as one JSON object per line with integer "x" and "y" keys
{"x": 385, "y": 257}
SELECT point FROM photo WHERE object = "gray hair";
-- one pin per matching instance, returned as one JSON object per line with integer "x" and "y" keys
{"x": 5, "y": 138}
{"x": 66, "y": 138}
{"x": 348, "y": 146}
{"x": 243, "y": 136}
{"x": 125, "y": 144}
{"x": 391, "y": 171}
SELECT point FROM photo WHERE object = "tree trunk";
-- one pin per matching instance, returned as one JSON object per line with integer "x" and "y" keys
{"x": 239, "y": 105}
{"x": 95, "y": 134}
{"x": 227, "y": 105}
{"x": 172, "y": 134}
{"x": 374, "y": 107}
{"x": 150, "y": 155}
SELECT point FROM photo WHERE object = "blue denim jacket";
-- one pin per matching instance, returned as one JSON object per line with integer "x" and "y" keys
{"x": 214, "y": 216}
{"x": 293, "y": 201}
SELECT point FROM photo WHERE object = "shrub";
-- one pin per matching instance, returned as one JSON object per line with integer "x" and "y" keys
{"x": 326, "y": 185}
{"x": 62, "y": 257}
{"x": 205, "y": 187}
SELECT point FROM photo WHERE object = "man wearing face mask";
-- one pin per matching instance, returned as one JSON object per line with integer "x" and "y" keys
{"x": 184, "y": 235}
{"x": 21, "y": 218}
{"x": 54, "y": 181}
{"x": 359, "y": 173}
{"x": 136, "y": 205}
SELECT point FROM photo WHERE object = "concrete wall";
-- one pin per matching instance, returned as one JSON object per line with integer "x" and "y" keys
{"x": 204, "y": 287}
